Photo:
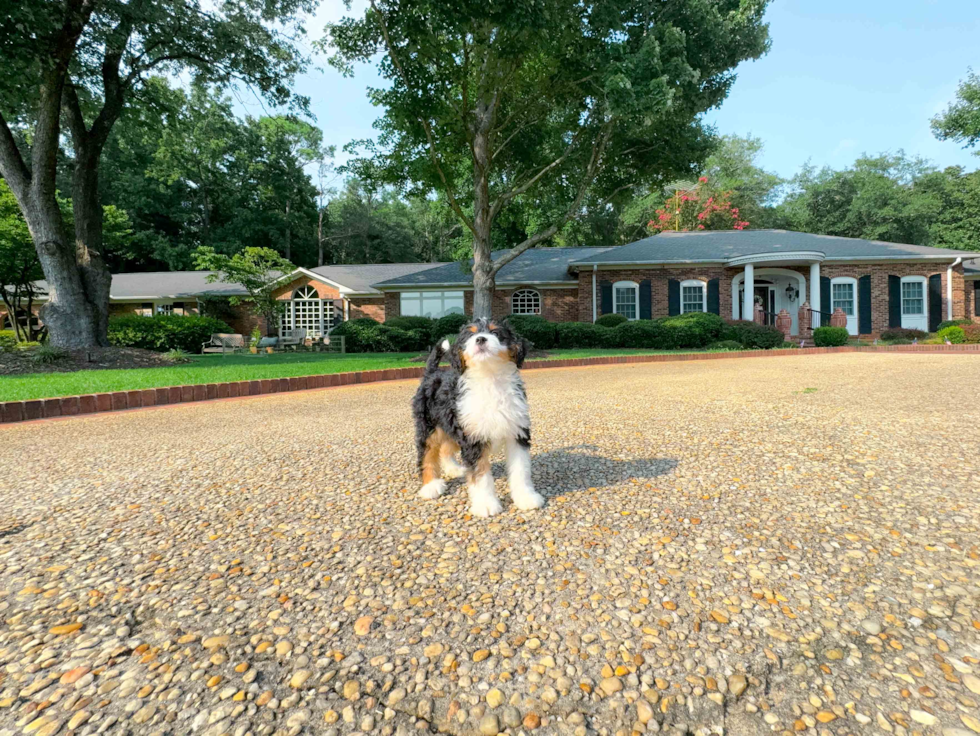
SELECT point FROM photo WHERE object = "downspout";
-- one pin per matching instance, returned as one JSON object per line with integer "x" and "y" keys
{"x": 949, "y": 287}
{"x": 594, "y": 269}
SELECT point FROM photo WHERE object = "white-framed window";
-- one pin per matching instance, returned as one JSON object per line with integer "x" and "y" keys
{"x": 626, "y": 299}
{"x": 693, "y": 296}
{"x": 307, "y": 311}
{"x": 433, "y": 304}
{"x": 914, "y": 296}
{"x": 165, "y": 308}
{"x": 525, "y": 301}
{"x": 843, "y": 295}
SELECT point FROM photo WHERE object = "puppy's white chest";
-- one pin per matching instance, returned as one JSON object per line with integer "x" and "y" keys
{"x": 492, "y": 407}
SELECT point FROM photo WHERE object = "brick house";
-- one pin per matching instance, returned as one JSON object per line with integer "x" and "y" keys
{"x": 876, "y": 285}
{"x": 735, "y": 274}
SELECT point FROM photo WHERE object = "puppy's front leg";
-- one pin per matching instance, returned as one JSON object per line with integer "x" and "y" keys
{"x": 519, "y": 477}
{"x": 483, "y": 498}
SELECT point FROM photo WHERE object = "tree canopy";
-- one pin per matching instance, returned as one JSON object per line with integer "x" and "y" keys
{"x": 557, "y": 102}
{"x": 961, "y": 120}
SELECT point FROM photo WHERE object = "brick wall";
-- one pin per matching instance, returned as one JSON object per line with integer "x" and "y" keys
{"x": 373, "y": 307}
{"x": 658, "y": 278}
{"x": 324, "y": 291}
{"x": 879, "y": 286}
{"x": 557, "y": 305}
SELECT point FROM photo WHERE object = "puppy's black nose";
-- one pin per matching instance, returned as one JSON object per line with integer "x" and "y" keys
{"x": 481, "y": 340}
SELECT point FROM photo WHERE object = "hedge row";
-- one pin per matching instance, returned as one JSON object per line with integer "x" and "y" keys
{"x": 164, "y": 332}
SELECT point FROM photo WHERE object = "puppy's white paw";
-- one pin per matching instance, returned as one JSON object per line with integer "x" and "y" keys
{"x": 528, "y": 500}
{"x": 433, "y": 489}
{"x": 445, "y": 345}
{"x": 451, "y": 468}
{"x": 485, "y": 505}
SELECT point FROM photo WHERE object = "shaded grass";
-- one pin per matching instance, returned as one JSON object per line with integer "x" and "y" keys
{"x": 225, "y": 368}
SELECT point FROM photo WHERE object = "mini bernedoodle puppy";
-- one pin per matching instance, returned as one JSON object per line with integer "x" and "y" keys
{"x": 473, "y": 407}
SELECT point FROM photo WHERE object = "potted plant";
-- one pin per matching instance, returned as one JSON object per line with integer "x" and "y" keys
{"x": 256, "y": 336}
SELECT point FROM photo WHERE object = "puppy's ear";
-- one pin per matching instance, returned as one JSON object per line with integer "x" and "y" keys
{"x": 519, "y": 350}
{"x": 456, "y": 356}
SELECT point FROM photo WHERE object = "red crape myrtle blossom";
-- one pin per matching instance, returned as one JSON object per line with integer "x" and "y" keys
{"x": 698, "y": 208}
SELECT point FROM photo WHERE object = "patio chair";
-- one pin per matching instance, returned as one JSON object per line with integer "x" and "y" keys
{"x": 222, "y": 342}
{"x": 292, "y": 338}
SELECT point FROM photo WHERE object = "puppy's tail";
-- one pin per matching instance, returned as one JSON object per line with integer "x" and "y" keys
{"x": 436, "y": 355}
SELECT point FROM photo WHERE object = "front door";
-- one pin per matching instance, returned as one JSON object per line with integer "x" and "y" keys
{"x": 766, "y": 296}
{"x": 843, "y": 296}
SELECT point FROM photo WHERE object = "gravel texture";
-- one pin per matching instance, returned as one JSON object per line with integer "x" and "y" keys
{"x": 740, "y": 547}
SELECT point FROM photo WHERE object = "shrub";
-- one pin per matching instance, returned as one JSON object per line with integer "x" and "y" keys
{"x": 8, "y": 340}
{"x": 902, "y": 333}
{"x": 752, "y": 335}
{"x": 585, "y": 335}
{"x": 611, "y": 320}
{"x": 365, "y": 335}
{"x": 46, "y": 354}
{"x": 725, "y": 345}
{"x": 539, "y": 331}
{"x": 692, "y": 330}
{"x": 830, "y": 337}
{"x": 971, "y": 333}
{"x": 448, "y": 326}
{"x": 164, "y": 332}
{"x": 789, "y": 345}
{"x": 952, "y": 323}
{"x": 411, "y": 323}
{"x": 953, "y": 333}
{"x": 640, "y": 334}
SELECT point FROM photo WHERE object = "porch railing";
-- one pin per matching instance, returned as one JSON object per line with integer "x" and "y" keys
{"x": 816, "y": 318}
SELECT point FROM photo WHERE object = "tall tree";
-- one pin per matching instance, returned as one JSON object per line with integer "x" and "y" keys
{"x": 734, "y": 167}
{"x": 961, "y": 120}
{"x": 508, "y": 100}
{"x": 83, "y": 61}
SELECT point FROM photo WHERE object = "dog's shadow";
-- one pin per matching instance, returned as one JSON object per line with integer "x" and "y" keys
{"x": 581, "y": 467}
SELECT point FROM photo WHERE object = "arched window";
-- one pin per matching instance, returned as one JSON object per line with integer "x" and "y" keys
{"x": 693, "y": 298}
{"x": 626, "y": 299}
{"x": 525, "y": 301}
{"x": 307, "y": 311}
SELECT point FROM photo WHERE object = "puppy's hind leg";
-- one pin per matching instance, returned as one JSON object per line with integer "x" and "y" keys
{"x": 433, "y": 485}
{"x": 447, "y": 456}
{"x": 483, "y": 498}
{"x": 519, "y": 477}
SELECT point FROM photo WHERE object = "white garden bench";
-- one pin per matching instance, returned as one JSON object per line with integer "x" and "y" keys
{"x": 222, "y": 342}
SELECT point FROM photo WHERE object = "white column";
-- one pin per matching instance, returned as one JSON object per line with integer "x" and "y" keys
{"x": 815, "y": 286}
{"x": 748, "y": 303}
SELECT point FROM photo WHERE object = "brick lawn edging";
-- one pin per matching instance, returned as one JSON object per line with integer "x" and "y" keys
{"x": 19, "y": 411}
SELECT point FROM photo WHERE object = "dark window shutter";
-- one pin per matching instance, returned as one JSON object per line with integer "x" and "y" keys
{"x": 714, "y": 297}
{"x": 935, "y": 301}
{"x": 606, "y": 305}
{"x": 673, "y": 297}
{"x": 646, "y": 300}
{"x": 825, "y": 306}
{"x": 976, "y": 298}
{"x": 864, "y": 305}
{"x": 894, "y": 301}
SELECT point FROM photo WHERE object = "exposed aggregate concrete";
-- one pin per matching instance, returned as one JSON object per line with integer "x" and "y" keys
{"x": 724, "y": 550}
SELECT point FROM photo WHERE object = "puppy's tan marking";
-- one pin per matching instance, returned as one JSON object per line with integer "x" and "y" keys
{"x": 481, "y": 468}
{"x": 474, "y": 329}
{"x": 431, "y": 466}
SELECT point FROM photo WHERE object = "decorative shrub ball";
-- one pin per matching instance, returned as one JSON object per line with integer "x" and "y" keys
{"x": 954, "y": 334}
{"x": 611, "y": 320}
{"x": 830, "y": 337}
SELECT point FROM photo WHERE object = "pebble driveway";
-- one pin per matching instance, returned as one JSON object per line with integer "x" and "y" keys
{"x": 788, "y": 545}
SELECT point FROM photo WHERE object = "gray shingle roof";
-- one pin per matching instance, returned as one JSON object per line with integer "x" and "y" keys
{"x": 675, "y": 247}
{"x": 360, "y": 278}
{"x": 536, "y": 266}
{"x": 163, "y": 285}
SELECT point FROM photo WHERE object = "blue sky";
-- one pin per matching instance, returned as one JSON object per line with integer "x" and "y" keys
{"x": 843, "y": 77}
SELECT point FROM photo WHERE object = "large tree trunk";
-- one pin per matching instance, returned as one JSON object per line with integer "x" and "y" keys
{"x": 87, "y": 206}
{"x": 483, "y": 270}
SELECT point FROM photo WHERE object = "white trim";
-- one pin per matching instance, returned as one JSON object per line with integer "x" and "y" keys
{"x": 291, "y": 276}
{"x": 906, "y": 258}
{"x": 759, "y": 273}
{"x": 703, "y": 285}
{"x": 852, "y": 319}
{"x": 468, "y": 285}
{"x": 914, "y": 321}
{"x": 537, "y": 296}
{"x": 636, "y": 292}
{"x": 793, "y": 255}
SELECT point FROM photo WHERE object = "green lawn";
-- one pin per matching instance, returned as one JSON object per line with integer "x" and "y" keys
{"x": 220, "y": 369}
